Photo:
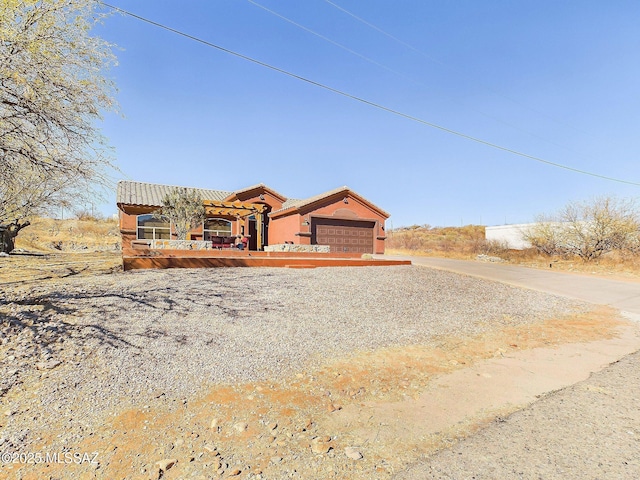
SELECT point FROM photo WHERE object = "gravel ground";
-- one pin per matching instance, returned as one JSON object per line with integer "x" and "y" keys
{"x": 93, "y": 344}
{"x": 590, "y": 430}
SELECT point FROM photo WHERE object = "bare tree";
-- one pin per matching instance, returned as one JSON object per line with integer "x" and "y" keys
{"x": 545, "y": 236}
{"x": 588, "y": 229}
{"x": 184, "y": 208}
{"x": 52, "y": 90}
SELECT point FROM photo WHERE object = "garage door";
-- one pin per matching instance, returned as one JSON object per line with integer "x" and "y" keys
{"x": 343, "y": 235}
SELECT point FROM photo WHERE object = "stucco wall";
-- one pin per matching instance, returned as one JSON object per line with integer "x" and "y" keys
{"x": 288, "y": 228}
{"x": 509, "y": 234}
{"x": 254, "y": 197}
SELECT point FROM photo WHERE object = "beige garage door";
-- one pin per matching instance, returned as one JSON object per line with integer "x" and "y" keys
{"x": 343, "y": 236}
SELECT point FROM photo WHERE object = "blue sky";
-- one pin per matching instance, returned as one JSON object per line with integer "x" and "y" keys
{"x": 555, "y": 80}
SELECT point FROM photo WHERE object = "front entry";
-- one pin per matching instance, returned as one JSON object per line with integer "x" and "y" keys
{"x": 253, "y": 234}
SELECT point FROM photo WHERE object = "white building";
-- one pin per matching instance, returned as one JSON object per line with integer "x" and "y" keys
{"x": 511, "y": 235}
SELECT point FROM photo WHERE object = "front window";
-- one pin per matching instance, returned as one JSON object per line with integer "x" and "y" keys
{"x": 151, "y": 227}
{"x": 217, "y": 227}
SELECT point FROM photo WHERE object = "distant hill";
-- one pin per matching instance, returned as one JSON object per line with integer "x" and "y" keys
{"x": 464, "y": 241}
{"x": 72, "y": 235}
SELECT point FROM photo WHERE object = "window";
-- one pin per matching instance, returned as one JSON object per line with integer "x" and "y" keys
{"x": 153, "y": 228}
{"x": 216, "y": 227}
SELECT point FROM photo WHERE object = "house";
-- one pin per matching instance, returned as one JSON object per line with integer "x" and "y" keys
{"x": 340, "y": 218}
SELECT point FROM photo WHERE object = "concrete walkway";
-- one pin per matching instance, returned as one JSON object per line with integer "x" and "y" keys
{"x": 622, "y": 295}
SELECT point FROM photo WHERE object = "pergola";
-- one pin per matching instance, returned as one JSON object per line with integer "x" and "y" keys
{"x": 240, "y": 211}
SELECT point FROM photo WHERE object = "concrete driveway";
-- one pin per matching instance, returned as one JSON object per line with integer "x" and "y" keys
{"x": 622, "y": 295}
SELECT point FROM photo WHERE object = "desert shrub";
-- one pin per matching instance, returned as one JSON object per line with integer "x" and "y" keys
{"x": 436, "y": 239}
{"x": 87, "y": 215}
{"x": 588, "y": 230}
{"x": 545, "y": 237}
{"x": 184, "y": 208}
{"x": 490, "y": 247}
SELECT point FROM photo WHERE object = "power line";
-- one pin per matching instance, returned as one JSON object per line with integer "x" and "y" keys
{"x": 353, "y": 52}
{"x": 327, "y": 39}
{"x": 378, "y": 29}
{"x": 366, "y": 102}
{"x": 440, "y": 62}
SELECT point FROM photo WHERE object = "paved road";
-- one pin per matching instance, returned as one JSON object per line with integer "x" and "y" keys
{"x": 586, "y": 431}
{"x": 622, "y": 295}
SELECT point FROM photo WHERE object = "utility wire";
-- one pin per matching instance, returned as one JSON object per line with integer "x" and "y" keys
{"x": 353, "y": 52}
{"x": 327, "y": 39}
{"x": 440, "y": 62}
{"x": 362, "y": 100}
{"x": 387, "y": 34}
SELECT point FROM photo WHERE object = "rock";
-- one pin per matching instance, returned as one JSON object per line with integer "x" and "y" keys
{"x": 352, "y": 453}
{"x": 273, "y": 426}
{"x": 48, "y": 365}
{"x": 215, "y": 423}
{"x": 166, "y": 464}
{"x": 210, "y": 448}
{"x": 235, "y": 472}
{"x": 240, "y": 427}
{"x": 157, "y": 394}
{"x": 276, "y": 460}
{"x": 321, "y": 445}
{"x": 320, "y": 448}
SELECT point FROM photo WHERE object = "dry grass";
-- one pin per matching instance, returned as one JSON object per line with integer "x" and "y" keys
{"x": 72, "y": 235}
{"x": 469, "y": 241}
{"x": 31, "y": 269}
{"x": 456, "y": 241}
{"x": 50, "y": 250}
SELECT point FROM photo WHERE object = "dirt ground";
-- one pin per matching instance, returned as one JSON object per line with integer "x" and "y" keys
{"x": 365, "y": 415}
{"x": 30, "y": 268}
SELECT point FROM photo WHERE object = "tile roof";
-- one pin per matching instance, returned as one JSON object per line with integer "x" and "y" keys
{"x": 151, "y": 194}
{"x": 291, "y": 203}
{"x": 259, "y": 186}
{"x": 252, "y": 187}
{"x": 296, "y": 204}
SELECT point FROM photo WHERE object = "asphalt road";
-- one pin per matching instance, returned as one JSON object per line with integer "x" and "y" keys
{"x": 622, "y": 295}
{"x": 586, "y": 431}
